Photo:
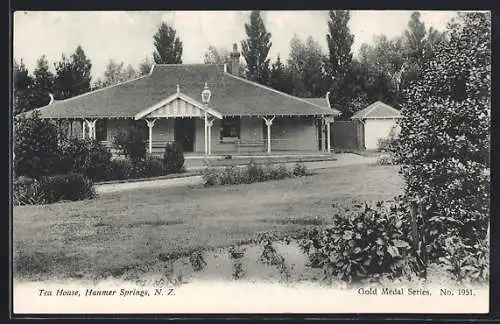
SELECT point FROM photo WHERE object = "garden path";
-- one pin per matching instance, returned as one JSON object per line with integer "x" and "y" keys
{"x": 344, "y": 159}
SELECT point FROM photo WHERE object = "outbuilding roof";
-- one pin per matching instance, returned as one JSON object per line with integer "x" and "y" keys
{"x": 231, "y": 95}
{"x": 377, "y": 110}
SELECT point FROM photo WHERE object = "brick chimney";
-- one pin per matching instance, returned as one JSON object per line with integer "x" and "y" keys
{"x": 235, "y": 60}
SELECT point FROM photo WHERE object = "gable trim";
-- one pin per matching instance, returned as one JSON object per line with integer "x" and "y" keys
{"x": 173, "y": 97}
{"x": 375, "y": 105}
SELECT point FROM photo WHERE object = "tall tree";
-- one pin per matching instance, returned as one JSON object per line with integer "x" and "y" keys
{"x": 129, "y": 72}
{"x": 381, "y": 65}
{"x": 338, "y": 64}
{"x": 280, "y": 77}
{"x": 145, "y": 66}
{"x": 113, "y": 73}
{"x": 22, "y": 86}
{"x": 168, "y": 46}
{"x": 43, "y": 82}
{"x": 81, "y": 71}
{"x": 306, "y": 63}
{"x": 415, "y": 38}
{"x": 339, "y": 42}
{"x": 73, "y": 75}
{"x": 255, "y": 49}
{"x": 215, "y": 55}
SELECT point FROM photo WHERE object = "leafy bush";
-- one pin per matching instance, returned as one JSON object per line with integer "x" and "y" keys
{"x": 236, "y": 253}
{"x": 210, "y": 177}
{"x": 173, "y": 158}
{"x": 154, "y": 167}
{"x": 467, "y": 263}
{"x": 299, "y": 169}
{"x": 119, "y": 170}
{"x": 88, "y": 157}
{"x": 253, "y": 172}
{"x": 363, "y": 243}
{"x": 35, "y": 146}
{"x": 124, "y": 169}
{"x": 386, "y": 159}
{"x": 27, "y": 191}
{"x": 444, "y": 145}
{"x": 197, "y": 260}
{"x": 131, "y": 142}
{"x": 70, "y": 186}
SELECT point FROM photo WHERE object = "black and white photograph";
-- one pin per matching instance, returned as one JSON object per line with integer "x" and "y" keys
{"x": 321, "y": 161}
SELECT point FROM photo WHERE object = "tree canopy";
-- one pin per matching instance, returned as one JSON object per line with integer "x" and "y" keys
{"x": 255, "y": 49}
{"x": 73, "y": 74}
{"x": 168, "y": 46}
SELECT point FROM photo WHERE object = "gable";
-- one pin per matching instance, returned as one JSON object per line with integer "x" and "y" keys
{"x": 176, "y": 108}
{"x": 377, "y": 110}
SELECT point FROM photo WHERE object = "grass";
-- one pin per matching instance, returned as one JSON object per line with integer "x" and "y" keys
{"x": 137, "y": 231}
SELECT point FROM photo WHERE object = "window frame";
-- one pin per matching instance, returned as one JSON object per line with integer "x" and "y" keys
{"x": 228, "y": 122}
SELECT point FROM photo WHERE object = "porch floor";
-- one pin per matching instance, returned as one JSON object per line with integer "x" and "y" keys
{"x": 259, "y": 155}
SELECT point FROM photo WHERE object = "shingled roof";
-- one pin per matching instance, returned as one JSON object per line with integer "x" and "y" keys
{"x": 322, "y": 103}
{"x": 377, "y": 110}
{"x": 231, "y": 95}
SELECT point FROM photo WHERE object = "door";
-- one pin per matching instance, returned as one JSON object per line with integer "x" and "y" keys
{"x": 184, "y": 132}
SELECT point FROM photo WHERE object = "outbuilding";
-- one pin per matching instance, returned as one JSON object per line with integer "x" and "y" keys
{"x": 378, "y": 121}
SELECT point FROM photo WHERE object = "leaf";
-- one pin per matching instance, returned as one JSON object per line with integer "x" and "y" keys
{"x": 393, "y": 251}
{"x": 400, "y": 243}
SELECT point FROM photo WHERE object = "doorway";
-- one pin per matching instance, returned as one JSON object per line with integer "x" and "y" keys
{"x": 184, "y": 132}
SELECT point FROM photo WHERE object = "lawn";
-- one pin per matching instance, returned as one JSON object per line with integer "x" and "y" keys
{"x": 121, "y": 232}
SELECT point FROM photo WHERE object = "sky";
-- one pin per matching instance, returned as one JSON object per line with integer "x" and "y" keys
{"x": 128, "y": 35}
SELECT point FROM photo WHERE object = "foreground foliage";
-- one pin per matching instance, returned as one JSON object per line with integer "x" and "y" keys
{"x": 51, "y": 189}
{"x": 35, "y": 146}
{"x": 362, "y": 243}
{"x": 444, "y": 141}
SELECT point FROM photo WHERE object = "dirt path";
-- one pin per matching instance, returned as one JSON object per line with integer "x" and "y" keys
{"x": 346, "y": 159}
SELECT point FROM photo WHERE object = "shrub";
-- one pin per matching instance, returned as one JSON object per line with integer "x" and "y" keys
{"x": 119, "y": 170}
{"x": 173, "y": 158}
{"x": 443, "y": 146}
{"x": 386, "y": 159}
{"x": 27, "y": 191}
{"x": 131, "y": 142}
{"x": 210, "y": 177}
{"x": 299, "y": 169}
{"x": 197, "y": 260}
{"x": 88, "y": 157}
{"x": 362, "y": 244}
{"x": 253, "y": 172}
{"x": 35, "y": 146}
{"x": 70, "y": 186}
{"x": 154, "y": 167}
{"x": 467, "y": 263}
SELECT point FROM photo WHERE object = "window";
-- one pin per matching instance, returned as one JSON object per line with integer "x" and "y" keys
{"x": 230, "y": 128}
{"x": 101, "y": 130}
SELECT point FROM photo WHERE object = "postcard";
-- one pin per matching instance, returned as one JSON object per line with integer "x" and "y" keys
{"x": 176, "y": 162}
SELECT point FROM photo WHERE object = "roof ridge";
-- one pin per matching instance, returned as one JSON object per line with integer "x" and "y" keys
{"x": 278, "y": 92}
